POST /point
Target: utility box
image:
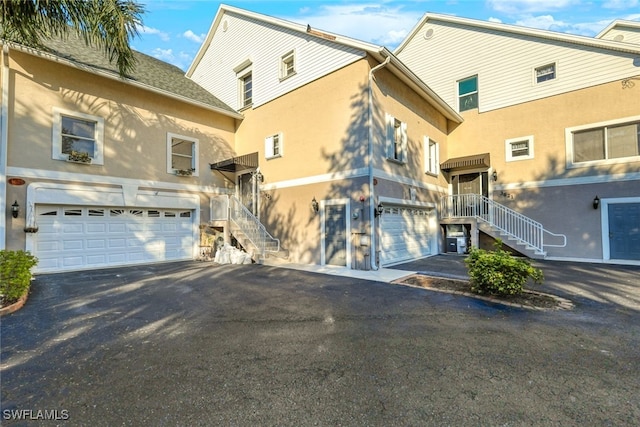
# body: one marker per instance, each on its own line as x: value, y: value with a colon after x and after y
x: 457, y: 238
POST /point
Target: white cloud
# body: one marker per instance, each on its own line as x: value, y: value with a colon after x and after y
x: 543, y: 22
x: 378, y: 23
x: 621, y: 4
x: 154, y: 32
x: 529, y: 6
x: 495, y: 20
x: 190, y: 35
x: 163, y: 54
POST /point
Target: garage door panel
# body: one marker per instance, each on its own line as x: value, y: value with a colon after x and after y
x: 95, y: 236
x: 405, y: 234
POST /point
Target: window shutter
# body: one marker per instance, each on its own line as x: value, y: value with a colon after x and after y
x: 389, y: 138
x: 403, y: 128
x: 268, y: 147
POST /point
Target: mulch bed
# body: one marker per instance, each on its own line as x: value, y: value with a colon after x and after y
x: 527, y: 299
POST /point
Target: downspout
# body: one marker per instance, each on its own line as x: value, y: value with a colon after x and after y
x: 372, y: 199
x: 4, y: 139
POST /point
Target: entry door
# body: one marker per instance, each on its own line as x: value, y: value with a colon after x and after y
x: 471, y: 183
x: 335, y: 240
x: 246, y: 192
x: 624, y: 231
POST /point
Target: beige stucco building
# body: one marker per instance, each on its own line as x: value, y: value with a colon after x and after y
x: 309, y: 147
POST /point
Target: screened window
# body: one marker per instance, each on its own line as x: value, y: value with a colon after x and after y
x: 468, y: 93
x: 519, y: 148
x: 182, y: 155
x: 77, y: 135
x: 546, y: 72
x: 287, y: 65
x: 610, y: 142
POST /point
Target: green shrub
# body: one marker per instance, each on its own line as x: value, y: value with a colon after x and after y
x: 15, y: 274
x: 498, y: 272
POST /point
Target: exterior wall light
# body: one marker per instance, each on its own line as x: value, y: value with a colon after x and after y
x: 379, y: 210
x: 494, y: 175
x: 15, y: 209
x: 596, y: 202
x: 315, y: 205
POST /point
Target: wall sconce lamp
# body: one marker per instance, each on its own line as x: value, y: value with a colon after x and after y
x: 378, y: 210
x: 596, y: 202
x: 315, y: 205
x: 15, y: 209
x: 494, y: 175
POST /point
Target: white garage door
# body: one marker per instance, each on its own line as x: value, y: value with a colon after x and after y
x: 74, y: 238
x: 405, y: 234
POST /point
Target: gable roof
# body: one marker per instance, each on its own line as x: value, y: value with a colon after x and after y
x: 518, y: 30
x: 618, y: 23
x: 379, y: 53
x: 150, y: 73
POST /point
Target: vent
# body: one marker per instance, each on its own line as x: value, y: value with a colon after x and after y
x: 428, y: 35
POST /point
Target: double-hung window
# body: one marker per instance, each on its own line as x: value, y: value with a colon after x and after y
x: 182, y: 155
x: 77, y: 135
x: 244, y: 74
x: 431, y: 156
x: 468, y: 93
x: 396, y: 140
x: 610, y: 142
x: 519, y: 148
x: 273, y: 146
x: 287, y: 65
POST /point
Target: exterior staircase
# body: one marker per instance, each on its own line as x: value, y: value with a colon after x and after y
x: 247, y: 229
x: 515, y: 230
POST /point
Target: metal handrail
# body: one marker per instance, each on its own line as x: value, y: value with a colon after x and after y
x: 504, y: 219
x: 251, y: 227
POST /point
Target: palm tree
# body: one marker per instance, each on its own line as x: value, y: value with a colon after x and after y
x: 106, y: 24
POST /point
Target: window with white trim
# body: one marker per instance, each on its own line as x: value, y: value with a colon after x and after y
x: 245, y: 83
x: 468, y: 93
x: 545, y: 73
x: 273, y: 147
x: 182, y: 155
x: 396, y: 141
x: 287, y: 65
x: 77, y: 135
x: 607, y: 142
x: 519, y: 148
x: 431, y: 156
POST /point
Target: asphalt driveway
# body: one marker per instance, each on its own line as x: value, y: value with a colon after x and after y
x: 199, y: 344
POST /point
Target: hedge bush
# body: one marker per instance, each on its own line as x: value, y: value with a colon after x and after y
x: 15, y: 274
x: 498, y: 272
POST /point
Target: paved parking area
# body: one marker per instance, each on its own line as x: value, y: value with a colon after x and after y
x: 199, y: 344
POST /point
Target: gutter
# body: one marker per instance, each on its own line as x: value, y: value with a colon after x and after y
x: 372, y: 200
x: 4, y: 143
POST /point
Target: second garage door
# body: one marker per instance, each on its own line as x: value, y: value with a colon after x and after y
x: 78, y: 237
x: 405, y: 234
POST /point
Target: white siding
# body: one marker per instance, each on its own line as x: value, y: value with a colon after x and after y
x: 264, y: 44
x: 505, y: 64
x: 623, y: 34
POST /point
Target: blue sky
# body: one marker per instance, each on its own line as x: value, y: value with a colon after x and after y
x: 174, y: 29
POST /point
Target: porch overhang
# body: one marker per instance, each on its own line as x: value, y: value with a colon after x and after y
x: 467, y: 162
x: 237, y: 164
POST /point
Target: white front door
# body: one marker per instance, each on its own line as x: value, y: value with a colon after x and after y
x: 81, y: 237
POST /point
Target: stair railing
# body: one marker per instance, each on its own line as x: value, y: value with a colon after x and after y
x: 251, y: 227
x: 500, y: 217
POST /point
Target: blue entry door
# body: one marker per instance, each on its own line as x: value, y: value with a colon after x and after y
x: 624, y: 231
